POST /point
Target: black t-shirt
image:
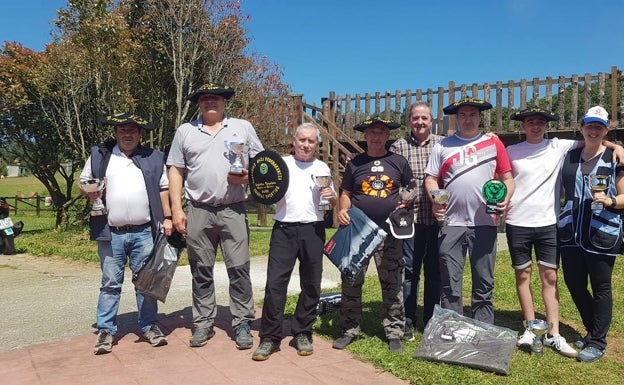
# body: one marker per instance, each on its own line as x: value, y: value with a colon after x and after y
x: 374, y: 183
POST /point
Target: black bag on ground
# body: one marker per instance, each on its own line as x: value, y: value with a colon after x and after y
x: 154, y: 276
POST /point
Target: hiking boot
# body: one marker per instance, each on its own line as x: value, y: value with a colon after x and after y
x: 264, y: 351
x: 155, y: 337
x: 560, y: 344
x: 304, y: 345
x: 343, y: 341
x: 104, y: 343
x: 590, y: 354
x: 408, y: 333
x: 201, y: 337
x: 526, y: 340
x: 243, y: 337
x: 395, y: 345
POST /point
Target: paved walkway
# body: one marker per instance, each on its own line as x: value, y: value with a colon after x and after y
x: 46, y: 335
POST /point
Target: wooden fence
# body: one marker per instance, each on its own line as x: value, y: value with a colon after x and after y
x: 33, y: 205
x: 554, y: 93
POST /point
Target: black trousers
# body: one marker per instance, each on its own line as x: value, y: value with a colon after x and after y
x: 291, y: 242
x: 595, y: 307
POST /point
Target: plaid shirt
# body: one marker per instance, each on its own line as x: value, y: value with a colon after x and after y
x: 418, y: 156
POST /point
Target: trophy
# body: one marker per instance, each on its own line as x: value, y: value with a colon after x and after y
x: 408, y: 193
x: 323, y: 181
x: 441, y: 197
x: 92, y: 186
x: 494, y: 191
x: 598, y: 183
x: 238, y: 148
x: 539, y: 328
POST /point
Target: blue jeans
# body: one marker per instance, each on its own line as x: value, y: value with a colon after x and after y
x: 133, y: 246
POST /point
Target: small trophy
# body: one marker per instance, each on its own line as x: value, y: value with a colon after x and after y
x: 598, y: 183
x: 92, y: 186
x: 494, y: 192
x: 323, y: 181
x: 441, y: 197
x: 539, y: 328
x: 408, y: 193
x: 238, y: 148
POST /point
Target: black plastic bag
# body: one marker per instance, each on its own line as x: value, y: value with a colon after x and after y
x: 351, y: 246
x: 154, y: 276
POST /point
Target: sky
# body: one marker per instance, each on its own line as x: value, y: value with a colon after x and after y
x: 359, y: 46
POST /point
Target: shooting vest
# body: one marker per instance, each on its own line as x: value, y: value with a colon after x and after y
x: 151, y: 163
x: 595, y: 231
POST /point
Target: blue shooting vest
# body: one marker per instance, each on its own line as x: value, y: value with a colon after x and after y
x: 595, y: 231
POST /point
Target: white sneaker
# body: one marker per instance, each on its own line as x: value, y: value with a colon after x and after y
x: 559, y: 343
x: 527, y: 339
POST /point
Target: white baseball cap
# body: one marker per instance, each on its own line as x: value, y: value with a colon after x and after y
x: 597, y: 114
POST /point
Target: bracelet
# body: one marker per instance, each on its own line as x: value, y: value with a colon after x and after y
x: 613, y: 202
x: 168, y: 217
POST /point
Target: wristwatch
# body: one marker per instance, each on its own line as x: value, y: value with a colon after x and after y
x: 613, y: 202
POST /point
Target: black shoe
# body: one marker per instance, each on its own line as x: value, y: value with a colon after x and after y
x: 395, y: 345
x: 343, y: 341
x: 303, y: 345
x: 264, y: 351
x: 243, y: 337
x: 155, y: 337
x: 104, y: 343
x: 201, y: 337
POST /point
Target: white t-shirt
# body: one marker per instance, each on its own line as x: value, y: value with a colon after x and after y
x: 300, y: 203
x: 536, y: 171
x: 126, y: 194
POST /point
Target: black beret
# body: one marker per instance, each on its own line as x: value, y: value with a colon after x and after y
x: 372, y: 121
x: 126, y: 118
x: 225, y: 92
x: 480, y: 104
x: 533, y: 111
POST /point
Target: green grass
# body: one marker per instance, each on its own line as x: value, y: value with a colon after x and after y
x: 550, y: 368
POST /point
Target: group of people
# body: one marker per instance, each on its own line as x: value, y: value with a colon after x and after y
x: 144, y: 194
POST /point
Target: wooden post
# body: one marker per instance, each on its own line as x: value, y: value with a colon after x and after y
x: 614, y: 105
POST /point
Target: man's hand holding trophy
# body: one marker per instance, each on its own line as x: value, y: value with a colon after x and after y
x: 323, y: 182
x: 93, y: 189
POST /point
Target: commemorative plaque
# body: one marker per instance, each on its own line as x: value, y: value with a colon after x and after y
x: 268, y: 177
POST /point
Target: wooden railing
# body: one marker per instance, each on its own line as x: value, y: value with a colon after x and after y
x: 568, y: 96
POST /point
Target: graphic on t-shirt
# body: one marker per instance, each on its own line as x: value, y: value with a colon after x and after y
x: 378, y: 186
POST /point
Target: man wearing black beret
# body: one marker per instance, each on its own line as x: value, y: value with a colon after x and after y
x: 462, y: 164
x: 136, y: 202
x: 210, y: 156
x: 371, y: 183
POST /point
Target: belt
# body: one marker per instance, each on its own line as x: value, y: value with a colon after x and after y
x: 130, y: 227
x: 213, y: 206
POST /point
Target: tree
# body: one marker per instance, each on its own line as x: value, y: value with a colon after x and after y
x: 140, y: 56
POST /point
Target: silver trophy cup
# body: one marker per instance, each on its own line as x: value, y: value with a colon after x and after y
x: 441, y: 197
x: 323, y: 181
x: 92, y: 186
x: 238, y: 149
x: 598, y: 183
x: 539, y: 328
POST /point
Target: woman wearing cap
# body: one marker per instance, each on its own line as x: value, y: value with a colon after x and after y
x: 590, y: 230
